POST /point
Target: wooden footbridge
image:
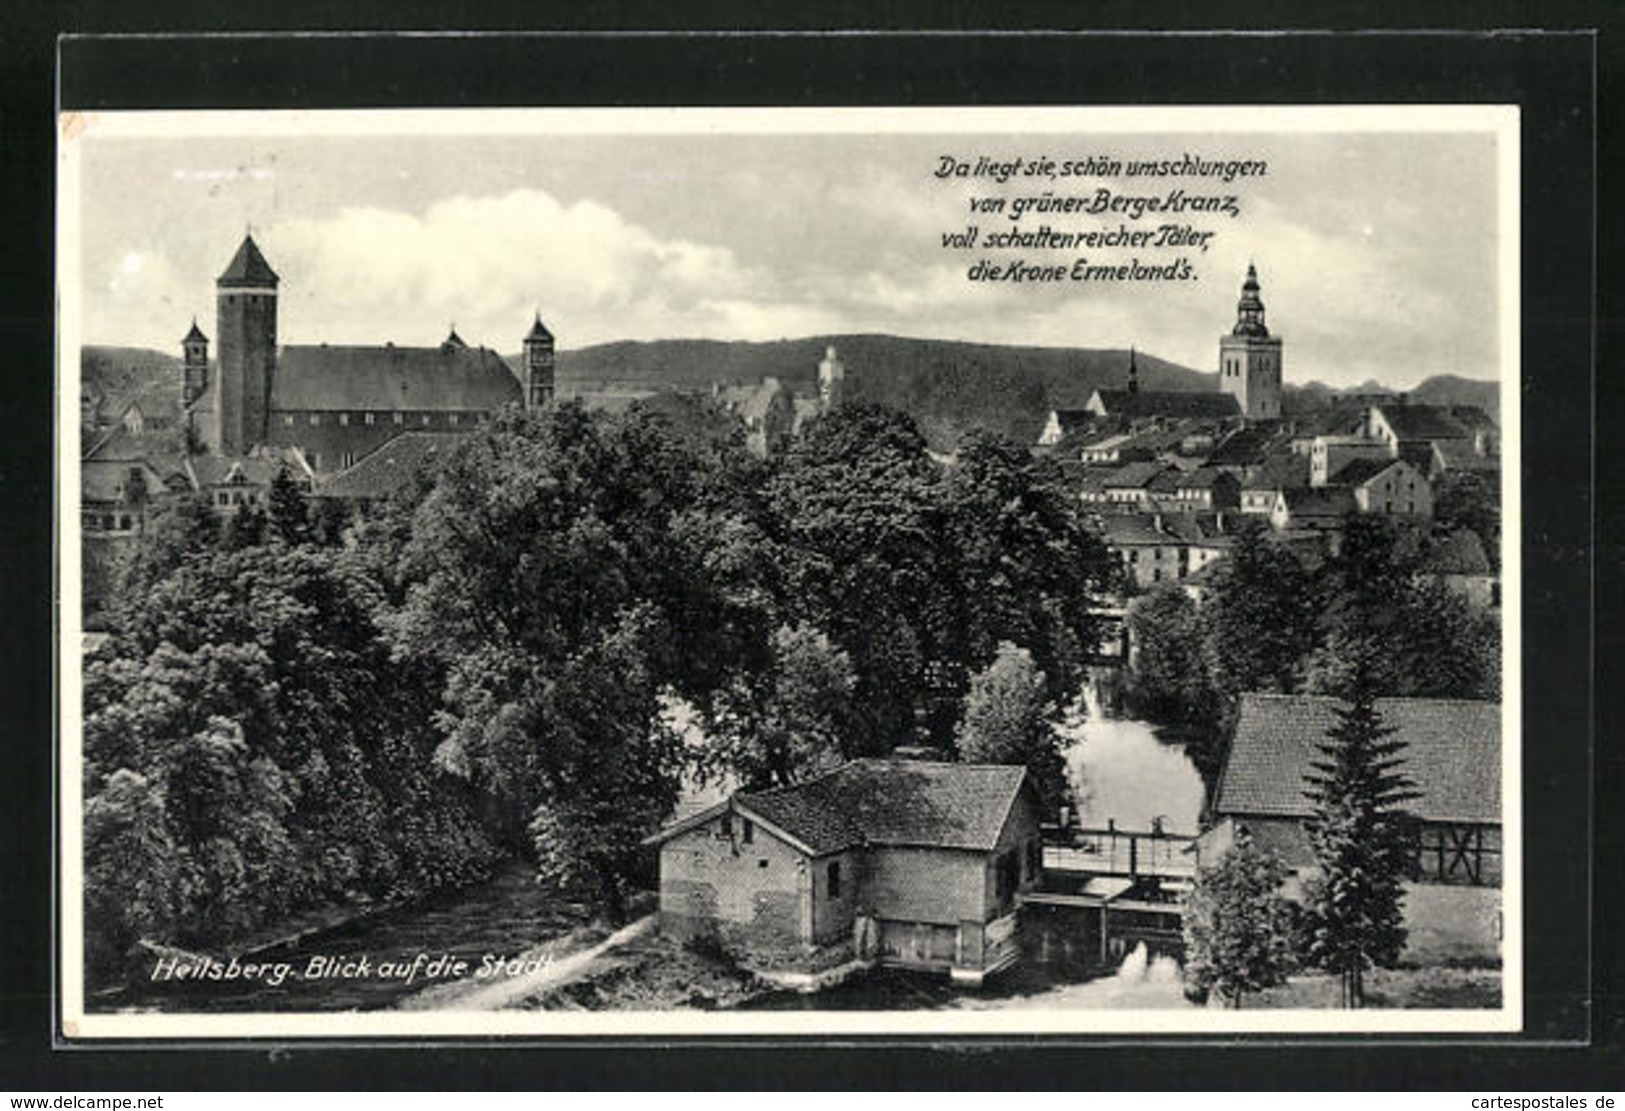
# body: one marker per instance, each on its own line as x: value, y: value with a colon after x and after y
x: 1121, y: 886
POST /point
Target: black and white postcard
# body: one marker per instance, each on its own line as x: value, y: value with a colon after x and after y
x: 817, y: 571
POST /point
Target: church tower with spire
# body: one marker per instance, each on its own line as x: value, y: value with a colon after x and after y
x: 195, y: 361
x: 1250, y: 358
x: 245, y: 303
x: 537, y: 367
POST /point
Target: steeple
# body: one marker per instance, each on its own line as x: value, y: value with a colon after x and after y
x: 194, y: 364
x: 248, y: 269
x: 536, y: 370
x: 453, y: 341
x: 1250, y: 358
x: 1133, y: 373
x: 1250, y: 308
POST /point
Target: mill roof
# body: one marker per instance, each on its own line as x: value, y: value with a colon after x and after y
x: 1452, y: 754
x: 324, y: 377
x: 885, y: 802
x: 247, y: 269
x: 1168, y: 403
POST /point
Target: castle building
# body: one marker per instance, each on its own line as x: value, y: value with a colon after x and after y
x: 336, y: 403
x: 1250, y: 358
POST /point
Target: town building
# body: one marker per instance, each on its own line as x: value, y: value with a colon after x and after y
x: 1452, y: 756
x: 1250, y: 358
x: 905, y: 863
x: 335, y: 403
x: 1392, y: 487
x: 1457, y: 561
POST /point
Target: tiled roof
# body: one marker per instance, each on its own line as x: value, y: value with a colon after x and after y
x: 212, y: 470
x: 248, y: 268
x: 1458, y: 455
x: 1424, y: 422
x: 1319, y: 501
x: 1202, y: 478
x: 1357, y: 472
x: 1169, y: 403
x: 391, y: 467
x: 1452, y: 755
x: 894, y: 802
x: 1279, y: 472
x: 1133, y: 476
x: 391, y: 378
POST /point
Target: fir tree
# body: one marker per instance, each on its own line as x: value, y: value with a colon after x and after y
x: 1357, y: 830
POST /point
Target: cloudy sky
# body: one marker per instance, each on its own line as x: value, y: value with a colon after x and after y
x: 1377, y: 251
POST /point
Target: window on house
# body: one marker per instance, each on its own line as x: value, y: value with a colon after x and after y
x: 369, y: 418
x: 344, y: 418
x: 399, y: 417
x: 315, y: 418
x: 835, y: 879
x: 452, y: 419
x: 748, y: 834
x: 288, y: 420
x: 425, y: 418
x: 728, y: 825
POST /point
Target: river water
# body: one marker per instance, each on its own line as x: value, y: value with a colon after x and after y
x: 1124, y: 773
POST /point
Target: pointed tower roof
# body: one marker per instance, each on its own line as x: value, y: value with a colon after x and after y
x: 538, y: 330
x: 1133, y: 373
x: 453, y: 340
x: 248, y: 269
x: 195, y: 334
x: 1250, y: 308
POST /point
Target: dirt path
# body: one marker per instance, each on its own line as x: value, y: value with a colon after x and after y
x: 504, y: 991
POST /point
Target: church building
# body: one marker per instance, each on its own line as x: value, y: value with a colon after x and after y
x: 1250, y: 358
x: 335, y: 403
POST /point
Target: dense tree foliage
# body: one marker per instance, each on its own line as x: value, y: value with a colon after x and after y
x: 1276, y: 623
x: 1238, y: 927
x: 1008, y: 720
x: 318, y: 703
x: 251, y: 749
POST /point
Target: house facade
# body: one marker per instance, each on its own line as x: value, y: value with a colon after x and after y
x: 1452, y: 755
x: 903, y: 863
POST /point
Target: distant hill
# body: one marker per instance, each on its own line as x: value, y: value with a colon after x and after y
x: 126, y: 370
x: 947, y: 386
x: 1450, y: 389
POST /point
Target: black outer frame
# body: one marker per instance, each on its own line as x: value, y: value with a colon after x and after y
x: 1551, y: 77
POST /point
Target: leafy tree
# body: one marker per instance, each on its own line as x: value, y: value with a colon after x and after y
x: 1357, y: 829
x: 1169, y: 678
x: 1028, y: 567
x: 1463, y: 499
x: 283, y: 758
x: 1260, y: 621
x: 287, y: 513
x: 130, y: 871
x: 780, y: 726
x: 547, y: 577
x: 1008, y: 720
x: 1238, y: 927
x: 856, y: 510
